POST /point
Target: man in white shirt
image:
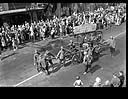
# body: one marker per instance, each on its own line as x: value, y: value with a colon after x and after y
x: 60, y: 55
x: 78, y: 82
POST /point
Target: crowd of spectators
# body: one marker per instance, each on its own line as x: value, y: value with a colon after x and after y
x: 12, y: 36
x: 118, y: 80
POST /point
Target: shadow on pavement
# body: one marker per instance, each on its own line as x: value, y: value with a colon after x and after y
x: 98, y: 56
x: 58, y: 67
x: 68, y: 64
x: 116, y: 52
x: 20, y: 47
x: 94, y: 68
x: 8, y: 55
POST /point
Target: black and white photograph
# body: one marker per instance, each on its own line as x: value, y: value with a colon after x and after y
x: 63, y: 44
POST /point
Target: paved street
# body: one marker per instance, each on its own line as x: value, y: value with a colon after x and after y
x: 18, y: 67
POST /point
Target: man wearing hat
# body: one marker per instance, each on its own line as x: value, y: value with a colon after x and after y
x: 60, y: 55
x: 36, y: 59
x: 48, y: 60
x: 87, y: 57
x: 112, y: 45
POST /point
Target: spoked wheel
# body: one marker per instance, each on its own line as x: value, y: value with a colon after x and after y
x: 38, y: 69
x: 75, y: 59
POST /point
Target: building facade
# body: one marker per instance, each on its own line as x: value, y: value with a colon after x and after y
x: 17, y: 13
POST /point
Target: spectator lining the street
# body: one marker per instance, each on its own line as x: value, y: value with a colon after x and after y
x: 97, y: 82
x: 115, y: 82
x: 78, y: 82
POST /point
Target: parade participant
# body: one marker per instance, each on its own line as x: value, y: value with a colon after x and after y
x: 45, y: 63
x: 48, y: 60
x: 37, y: 60
x: 78, y: 82
x: 112, y: 44
x: 86, y: 57
x: 41, y: 62
x: 97, y: 82
x: 36, y: 56
x: 60, y: 55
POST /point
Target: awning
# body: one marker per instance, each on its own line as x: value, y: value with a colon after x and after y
x: 16, y: 11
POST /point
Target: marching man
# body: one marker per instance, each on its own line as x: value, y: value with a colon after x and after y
x: 87, y: 57
x: 36, y: 59
x: 112, y: 43
x: 48, y: 61
x: 60, y: 55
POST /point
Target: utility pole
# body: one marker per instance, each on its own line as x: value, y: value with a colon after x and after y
x: 58, y: 11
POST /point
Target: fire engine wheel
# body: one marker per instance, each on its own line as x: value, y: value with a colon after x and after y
x: 75, y: 59
x: 38, y: 69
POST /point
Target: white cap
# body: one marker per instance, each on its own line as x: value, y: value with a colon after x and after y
x: 111, y: 36
x: 106, y: 82
x: 61, y: 47
x: 98, y: 79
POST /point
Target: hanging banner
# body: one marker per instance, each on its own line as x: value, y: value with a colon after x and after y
x: 84, y: 28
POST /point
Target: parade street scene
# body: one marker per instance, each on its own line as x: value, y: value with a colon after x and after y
x: 63, y: 44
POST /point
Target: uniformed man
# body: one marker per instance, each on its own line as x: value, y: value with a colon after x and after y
x: 78, y: 82
x: 37, y: 60
x: 87, y: 57
x: 36, y: 54
x: 47, y: 58
x: 60, y: 55
x: 112, y: 44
